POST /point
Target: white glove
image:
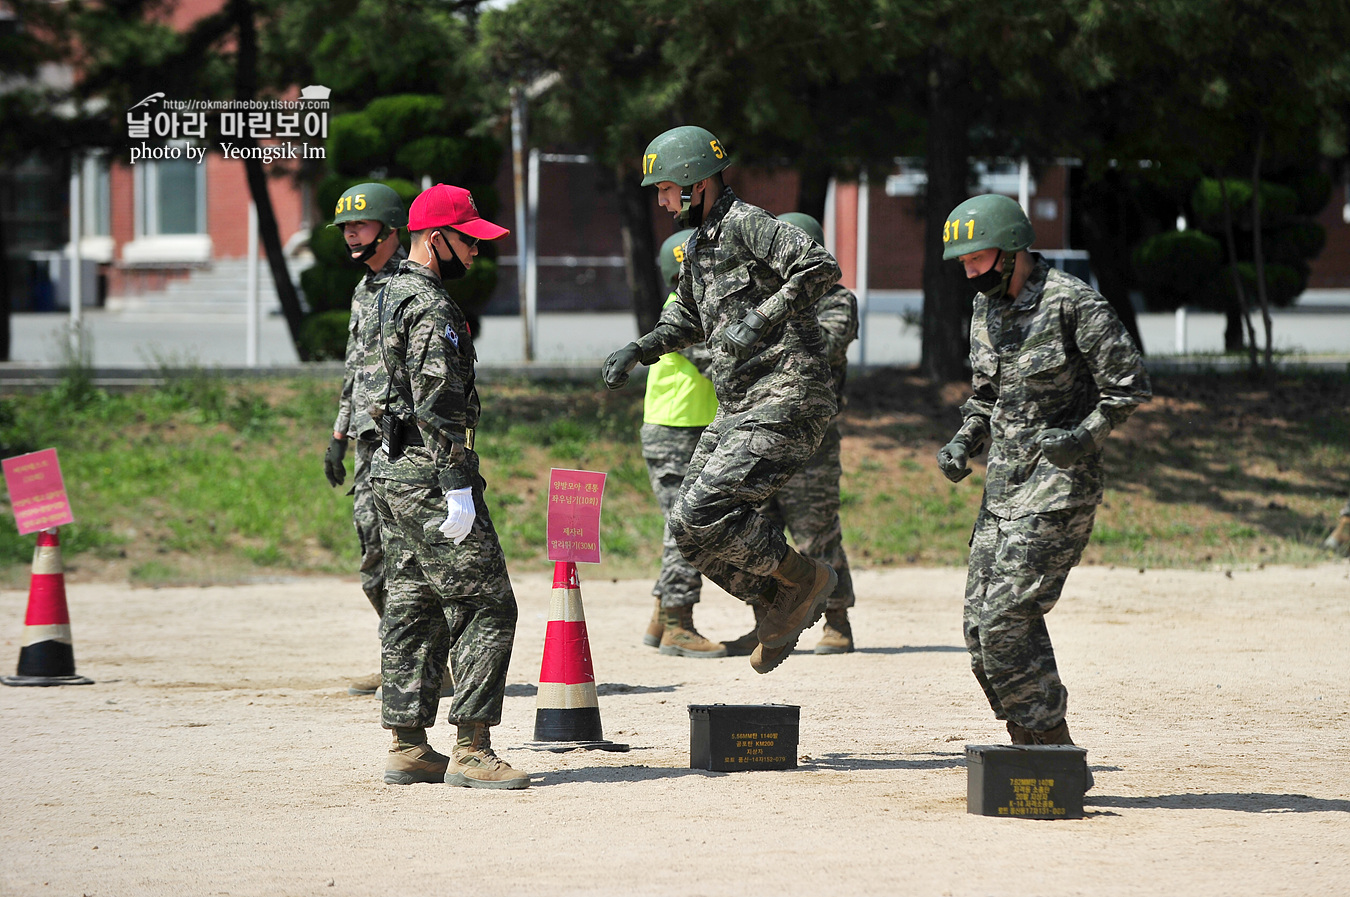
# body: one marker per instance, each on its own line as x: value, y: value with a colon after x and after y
x: 459, y: 514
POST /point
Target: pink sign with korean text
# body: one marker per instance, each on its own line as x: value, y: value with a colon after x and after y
x: 37, y: 492
x: 574, y: 515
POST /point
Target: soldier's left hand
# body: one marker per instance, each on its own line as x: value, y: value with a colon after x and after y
x: 1063, y: 448
x: 618, y: 364
x: 953, y: 460
x: 332, y: 462
x: 742, y: 336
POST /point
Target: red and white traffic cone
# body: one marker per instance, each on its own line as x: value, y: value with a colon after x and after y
x: 567, y: 708
x: 47, y: 656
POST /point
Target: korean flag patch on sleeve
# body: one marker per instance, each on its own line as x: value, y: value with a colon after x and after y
x: 451, y: 335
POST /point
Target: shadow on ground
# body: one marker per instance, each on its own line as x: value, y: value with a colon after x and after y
x: 914, y: 649
x: 529, y: 690
x: 842, y: 762
x: 609, y: 774
x: 1244, y: 803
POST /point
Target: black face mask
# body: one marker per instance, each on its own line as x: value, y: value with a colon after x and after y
x: 452, y: 268
x: 358, y: 255
x: 993, y: 283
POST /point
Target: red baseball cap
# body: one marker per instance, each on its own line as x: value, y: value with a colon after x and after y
x: 447, y: 206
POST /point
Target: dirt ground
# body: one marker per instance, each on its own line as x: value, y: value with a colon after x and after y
x: 219, y: 753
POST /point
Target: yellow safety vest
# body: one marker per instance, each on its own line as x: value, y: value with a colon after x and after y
x: 677, y: 394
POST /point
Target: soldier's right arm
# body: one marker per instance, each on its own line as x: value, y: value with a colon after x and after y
x: 977, y: 411
x: 439, y: 384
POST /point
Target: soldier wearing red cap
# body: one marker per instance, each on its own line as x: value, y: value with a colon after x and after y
x: 448, y: 592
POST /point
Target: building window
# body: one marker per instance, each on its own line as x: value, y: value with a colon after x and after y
x: 170, y: 211
x: 96, y: 211
x: 171, y: 198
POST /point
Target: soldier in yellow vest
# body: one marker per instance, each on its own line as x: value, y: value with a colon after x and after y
x: 680, y: 402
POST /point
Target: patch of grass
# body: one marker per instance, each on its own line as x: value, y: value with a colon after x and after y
x: 155, y: 573
x: 207, y: 479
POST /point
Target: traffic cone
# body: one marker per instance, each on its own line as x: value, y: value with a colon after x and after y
x: 567, y: 708
x: 48, y: 655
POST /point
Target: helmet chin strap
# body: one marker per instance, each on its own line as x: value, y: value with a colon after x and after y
x: 361, y: 254
x: 688, y: 215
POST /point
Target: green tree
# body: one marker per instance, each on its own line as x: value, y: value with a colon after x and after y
x: 398, y: 124
x: 126, y: 50
x: 1159, y: 98
x: 37, y: 116
x: 260, y: 48
x: 1149, y: 96
x: 611, y: 86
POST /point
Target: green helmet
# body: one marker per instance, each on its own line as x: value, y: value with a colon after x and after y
x: 806, y: 223
x: 370, y: 202
x: 672, y: 254
x: 684, y: 156
x: 991, y: 221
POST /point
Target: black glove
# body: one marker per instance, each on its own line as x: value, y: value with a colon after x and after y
x: 332, y: 462
x: 953, y: 461
x: 1063, y: 448
x: 617, y: 365
x: 741, y: 337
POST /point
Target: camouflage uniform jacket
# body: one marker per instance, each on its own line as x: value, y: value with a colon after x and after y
x: 837, y: 312
x: 430, y: 356
x: 353, y: 410
x: 1056, y: 356
x: 742, y: 259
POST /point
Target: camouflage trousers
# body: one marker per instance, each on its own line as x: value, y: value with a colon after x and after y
x: 809, y: 507
x: 367, y: 522
x: 742, y: 459
x: 1017, y: 570
x: 442, y: 600
x: 667, y: 451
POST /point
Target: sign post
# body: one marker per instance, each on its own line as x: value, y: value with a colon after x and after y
x: 574, y: 498
x: 37, y: 491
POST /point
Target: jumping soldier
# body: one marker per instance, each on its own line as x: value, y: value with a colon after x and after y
x: 809, y: 504
x: 679, y: 403
x: 748, y: 286
x: 1054, y: 372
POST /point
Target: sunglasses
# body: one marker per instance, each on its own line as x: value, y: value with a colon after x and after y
x: 467, y: 240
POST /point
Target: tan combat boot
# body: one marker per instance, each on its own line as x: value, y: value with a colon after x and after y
x: 803, y: 585
x: 838, y: 635
x: 366, y: 685
x: 1019, y: 735
x: 746, y: 644
x: 681, y: 639
x: 473, y: 763
x: 1059, y: 735
x: 411, y: 759
x: 765, y: 660
x: 656, y: 628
